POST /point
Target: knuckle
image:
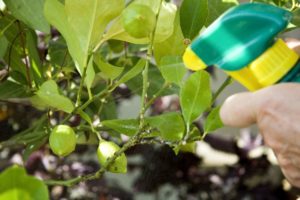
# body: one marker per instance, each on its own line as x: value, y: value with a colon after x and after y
x: 268, y: 108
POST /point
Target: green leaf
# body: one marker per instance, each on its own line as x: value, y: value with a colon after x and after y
x: 82, y: 32
x: 34, y: 59
x: 172, y: 46
x: 172, y: 69
x: 49, y: 95
x: 90, y: 73
x: 109, y: 71
x: 124, y: 126
x: 109, y: 110
x: 165, y: 21
x: 116, y: 46
x: 134, y: 71
x: 56, y: 15
x: 156, y: 82
x: 88, y: 28
x: 267, y: 1
x: 9, y: 89
x: 217, y: 8
x: 193, y: 15
x: 15, y: 55
x: 3, y: 47
x: 30, y: 12
x: 170, y: 126
x: 296, y: 17
x: 33, y: 146
x: 9, y: 28
x: 15, y: 184
x: 195, y: 96
x: 59, y: 55
x: 213, y: 121
x: 85, y: 116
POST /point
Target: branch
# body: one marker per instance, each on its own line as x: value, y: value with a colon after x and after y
x: 78, y: 101
x: 157, y: 94
x: 145, y: 73
x: 68, y: 183
x: 227, y: 82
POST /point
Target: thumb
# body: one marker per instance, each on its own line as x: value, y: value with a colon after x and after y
x: 239, y: 110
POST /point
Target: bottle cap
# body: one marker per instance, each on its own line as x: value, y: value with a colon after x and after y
x: 274, y: 63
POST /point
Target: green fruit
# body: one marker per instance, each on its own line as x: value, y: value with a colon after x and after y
x: 62, y: 140
x: 138, y: 20
x: 107, y: 149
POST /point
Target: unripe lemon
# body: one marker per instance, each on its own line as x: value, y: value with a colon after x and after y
x: 62, y: 140
x: 138, y: 20
x: 106, y: 150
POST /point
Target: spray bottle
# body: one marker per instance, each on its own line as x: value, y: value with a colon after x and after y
x: 243, y: 43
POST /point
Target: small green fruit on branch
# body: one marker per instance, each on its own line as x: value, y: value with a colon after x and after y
x: 107, y: 149
x: 138, y: 20
x: 62, y: 140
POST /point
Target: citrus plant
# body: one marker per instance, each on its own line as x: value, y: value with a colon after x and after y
x: 68, y: 58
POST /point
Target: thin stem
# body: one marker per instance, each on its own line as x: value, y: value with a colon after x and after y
x: 22, y: 39
x: 106, y: 38
x: 157, y: 94
x: 88, y: 102
x: 145, y: 73
x: 221, y: 88
x: 144, y: 93
x: 7, y: 27
x: 78, y: 101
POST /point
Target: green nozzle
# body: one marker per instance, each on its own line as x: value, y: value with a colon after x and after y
x: 240, y: 35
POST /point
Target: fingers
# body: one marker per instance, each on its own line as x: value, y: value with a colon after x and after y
x: 239, y: 110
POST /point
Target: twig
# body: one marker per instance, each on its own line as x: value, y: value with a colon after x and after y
x: 145, y: 73
x: 78, y: 101
x: 7, y: 27
x: 88, y: 102
x: 157, y: 94
x: 221, y: 88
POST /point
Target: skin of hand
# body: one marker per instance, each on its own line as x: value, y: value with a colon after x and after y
x: 276, y: 111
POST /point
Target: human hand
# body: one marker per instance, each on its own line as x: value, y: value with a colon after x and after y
x: 276, y: 111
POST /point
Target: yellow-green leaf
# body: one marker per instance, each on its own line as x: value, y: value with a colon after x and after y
x: 195, y: 96
x: 15, y: 184
x: 49, y: 95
